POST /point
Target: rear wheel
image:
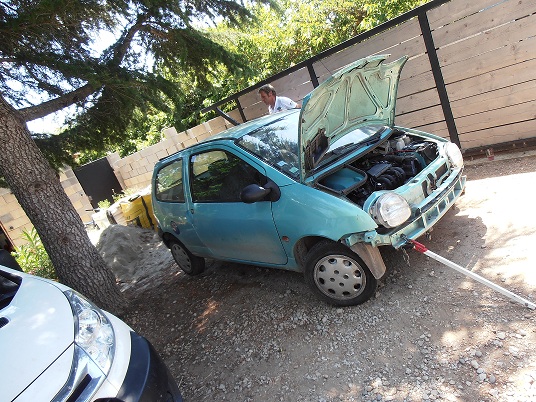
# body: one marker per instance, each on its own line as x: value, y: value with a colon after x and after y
x: 189, y: 263
x: 338, y: 275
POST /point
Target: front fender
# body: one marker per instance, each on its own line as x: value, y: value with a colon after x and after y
x: 304, y: 211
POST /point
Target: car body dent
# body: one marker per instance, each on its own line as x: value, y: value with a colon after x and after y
x: 433, y: 208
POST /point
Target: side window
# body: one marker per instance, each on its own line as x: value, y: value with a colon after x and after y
x: 168, y: 183
x: 219, y: 176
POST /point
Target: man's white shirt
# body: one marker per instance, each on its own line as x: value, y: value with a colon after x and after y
x: 282, y: 103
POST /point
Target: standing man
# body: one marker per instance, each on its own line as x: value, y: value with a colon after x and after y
x: 275, y: 103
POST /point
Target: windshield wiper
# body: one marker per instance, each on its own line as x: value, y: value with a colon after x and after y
x: 373, y: 139
x: 345, y: 148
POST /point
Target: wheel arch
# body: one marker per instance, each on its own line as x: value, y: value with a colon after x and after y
x: 302, y: 247
x: 370, y: 255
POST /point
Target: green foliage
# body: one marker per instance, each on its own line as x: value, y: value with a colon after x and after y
x: 167, y: 61
x: 33, y: 258
x: 104, y: 204
x: 275, y: 41
x: 380, y: 11
x: 52, y: 58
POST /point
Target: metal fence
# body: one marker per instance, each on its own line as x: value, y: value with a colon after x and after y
x: 470, y: 77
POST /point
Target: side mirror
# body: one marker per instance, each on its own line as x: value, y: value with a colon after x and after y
x: 254, y: 192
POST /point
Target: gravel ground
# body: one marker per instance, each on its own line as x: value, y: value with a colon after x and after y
x: 242, y: 333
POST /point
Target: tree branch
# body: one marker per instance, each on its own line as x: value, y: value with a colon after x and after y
x: 56, y: 104
x: 120, y: 49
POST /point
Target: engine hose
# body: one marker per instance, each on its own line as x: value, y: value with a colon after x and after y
x: 386, y: 181
x: 400, y: 173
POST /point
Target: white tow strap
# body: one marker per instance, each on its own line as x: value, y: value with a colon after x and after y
x: 422, y: 249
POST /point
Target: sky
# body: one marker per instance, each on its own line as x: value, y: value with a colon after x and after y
x: 53, y: 123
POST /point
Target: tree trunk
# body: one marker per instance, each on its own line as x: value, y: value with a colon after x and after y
x: 38, y: 189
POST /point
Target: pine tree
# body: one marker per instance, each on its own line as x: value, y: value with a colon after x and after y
x: 48, y: 51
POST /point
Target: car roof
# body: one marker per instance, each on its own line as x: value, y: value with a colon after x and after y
x: 236, y: 132
x: 244, y: 128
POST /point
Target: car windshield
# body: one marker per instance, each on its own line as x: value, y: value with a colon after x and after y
x: 276, y: 144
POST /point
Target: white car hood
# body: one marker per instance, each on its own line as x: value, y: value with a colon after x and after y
x: 40, y: 328
x: 362, y: 93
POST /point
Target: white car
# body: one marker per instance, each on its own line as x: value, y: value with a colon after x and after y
x: 55, y: 345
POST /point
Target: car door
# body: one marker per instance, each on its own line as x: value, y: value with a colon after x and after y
x: 171, y: 207
x: 230, y: 228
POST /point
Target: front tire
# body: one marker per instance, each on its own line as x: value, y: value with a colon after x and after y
x: 338, y: 275
x: 189, y: 263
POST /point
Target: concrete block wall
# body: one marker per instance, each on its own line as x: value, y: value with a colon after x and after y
x: 14, y: 220
x: 12, y: 217
x: 76, y: 194
x: 135, y: 171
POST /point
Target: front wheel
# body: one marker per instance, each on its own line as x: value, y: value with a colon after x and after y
x: 189, y: 263
x: 338, y: 275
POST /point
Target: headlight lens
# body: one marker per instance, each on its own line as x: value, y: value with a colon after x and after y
x: 93, y: 331
x: 455, y: 155
x: 390, y: 210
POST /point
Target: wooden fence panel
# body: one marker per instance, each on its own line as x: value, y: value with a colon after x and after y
x: 383, y: 43
x: 487, y: 41
x: 439, y: 128
x: 456, y: 10
x: 493, y: 80
x: 491, y: 62
x: 419, y: 83
x: 488, y: 62
x: 417, y: 101
x: 493, y: 118
x: 498, y: 135
x: 496, y: 100
x: 484, y: 20
x: 420, y: 118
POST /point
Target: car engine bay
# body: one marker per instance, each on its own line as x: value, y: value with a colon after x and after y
x: 388, y: 166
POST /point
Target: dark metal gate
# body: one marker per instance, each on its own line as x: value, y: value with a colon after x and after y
x: 98, y: 180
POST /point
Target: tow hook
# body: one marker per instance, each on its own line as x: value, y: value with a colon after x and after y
x: 421, y: 248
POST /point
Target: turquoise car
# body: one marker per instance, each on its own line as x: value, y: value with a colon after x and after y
x: 316, y: 190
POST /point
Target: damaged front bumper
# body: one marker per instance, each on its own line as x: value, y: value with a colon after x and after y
x: 425, y: 216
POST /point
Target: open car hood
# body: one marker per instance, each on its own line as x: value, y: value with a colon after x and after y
x: 362, y: 93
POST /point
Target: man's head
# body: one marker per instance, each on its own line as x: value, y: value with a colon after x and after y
x: 267, y: 93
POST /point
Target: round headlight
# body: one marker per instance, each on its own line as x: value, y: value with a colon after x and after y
x: 455, y: 155
x: 390, y: 210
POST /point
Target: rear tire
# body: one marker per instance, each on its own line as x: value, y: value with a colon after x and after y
x: 338, y: 275
x: 189, y: 263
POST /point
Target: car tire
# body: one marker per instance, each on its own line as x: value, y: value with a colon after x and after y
x: 189, y: 263
x: 338, y: 275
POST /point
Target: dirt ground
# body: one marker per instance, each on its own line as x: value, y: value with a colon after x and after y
x: 242, y: 333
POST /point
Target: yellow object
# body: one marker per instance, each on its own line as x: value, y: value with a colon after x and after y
x: 138, y: 211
